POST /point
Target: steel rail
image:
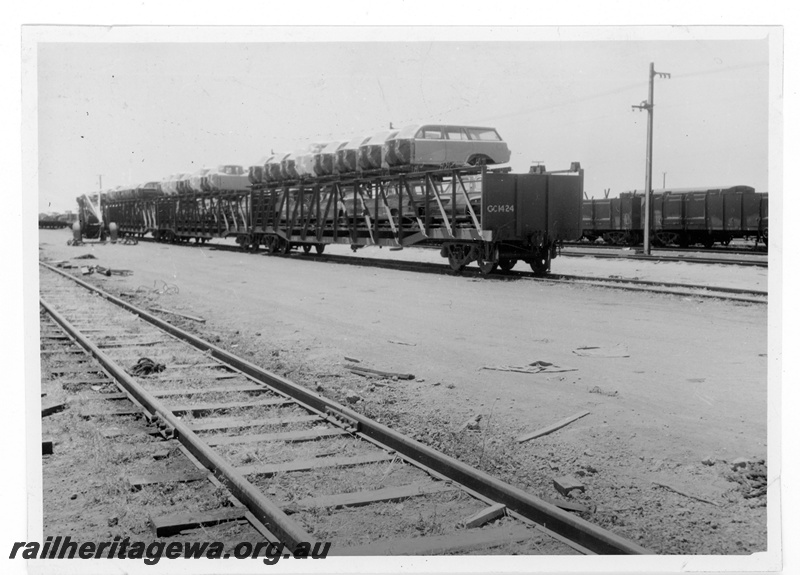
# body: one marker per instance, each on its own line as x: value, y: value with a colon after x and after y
x: 584, y: 533
x: 660, y: 258
x: 614, y: 283
x: 288, y: 530
x: 734, y: 250
x: 656, y: 283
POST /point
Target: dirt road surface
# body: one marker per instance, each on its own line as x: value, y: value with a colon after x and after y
x: 671, y: 381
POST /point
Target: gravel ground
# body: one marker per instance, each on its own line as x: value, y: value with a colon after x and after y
x: 676, y: 387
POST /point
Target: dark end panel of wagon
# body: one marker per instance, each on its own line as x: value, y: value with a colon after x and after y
x: 518, y: 206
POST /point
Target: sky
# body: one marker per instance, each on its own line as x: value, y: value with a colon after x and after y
x: 124, y: 111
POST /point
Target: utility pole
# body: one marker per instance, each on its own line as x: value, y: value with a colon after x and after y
x: 664, y: 181
x: 648, y: 180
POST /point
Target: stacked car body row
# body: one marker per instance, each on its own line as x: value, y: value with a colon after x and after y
x: 415, y: 146
x: 680, y: 217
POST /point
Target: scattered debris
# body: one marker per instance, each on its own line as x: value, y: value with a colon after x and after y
x: 485, y: 515
x: 402, y: 343
x: 679, y: 492
x: 191, y: 317
x: 111, y: 432
x: 618, y: 350
x: 161, y: 454
x: 113, y: 521
x: 361, y: 370
x: 352, y: 359
x: 551, y: 428
x: 165, y: 289
x: 597, y: 389
x: 85, y: 257
x: 739, y: 462
x: 535, y: 367
x: 146, y: 366
x: 708, y: 461
x: 472, y: 423
x: 567, y: 484
x: 351, y: 396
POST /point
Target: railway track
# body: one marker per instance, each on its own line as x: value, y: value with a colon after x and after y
x: 298, y: 466
x: 667, y: 288
x: 660, y: 287
x: 751, y: 258
x: 733, y: 248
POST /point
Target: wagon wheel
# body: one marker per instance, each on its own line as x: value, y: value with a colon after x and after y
x: 666, y: 238
x: 285, y: 247
x: 765, y: 236
x: 320, y: 248
x: 458, y: 256
x: 726, y: 241
x: 507, y: 264
x: 306, y: 248
x: 270, y: 242
x: 708, y: 242
x: 486, y: 266
x: 540, y: 263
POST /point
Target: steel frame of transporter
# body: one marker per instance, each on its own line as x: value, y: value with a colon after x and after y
x: 473, y: 214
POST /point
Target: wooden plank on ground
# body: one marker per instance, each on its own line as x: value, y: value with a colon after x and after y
x: 238, y: 422
x: 161, y: 377
x: 132, y: 343
x: 358, y: 368
x: 485, y: 515
x: 96, y: 413
x: 374, y: 496
x: 178, y: 392
x: 61, y: 350
x: 310, y: 464
x: 288, y: 436
x: 551, y: 428
x: 205, y: 407
x: 139, y: 481
x: 166, y: 525
x: 72, y: 371
x: 227, y: 389
x: 457, y: 542
x: 51, y: 407
x: 68, y: 383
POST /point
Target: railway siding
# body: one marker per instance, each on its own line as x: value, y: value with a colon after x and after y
x: 264, y: 455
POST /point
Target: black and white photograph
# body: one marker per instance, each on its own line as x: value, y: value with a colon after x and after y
x: 377, y: 298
